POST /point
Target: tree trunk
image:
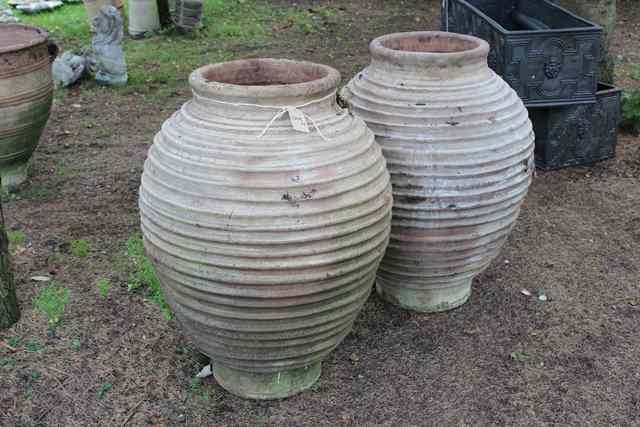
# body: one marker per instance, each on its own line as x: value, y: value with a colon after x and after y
x: 603, y: 13
x: 9, y: 312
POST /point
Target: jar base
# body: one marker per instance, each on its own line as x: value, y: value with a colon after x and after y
x: 427, y: 300
x: 266, y: 386
x: 13, y: 175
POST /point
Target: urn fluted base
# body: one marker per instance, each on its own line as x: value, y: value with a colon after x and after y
x: 428, y: 299
x: 266, y: 386
x: 14, y: 174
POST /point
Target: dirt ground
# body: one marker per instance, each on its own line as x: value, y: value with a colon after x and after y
x: 501, y: 359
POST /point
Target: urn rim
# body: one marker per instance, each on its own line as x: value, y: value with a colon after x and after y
x: 14, y: 37
x: 430, y: 48
x: 263, y: 78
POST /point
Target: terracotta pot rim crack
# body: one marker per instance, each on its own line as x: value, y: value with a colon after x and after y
x: 472, y: 49
x: 7, y: 45
x: 264, y: 78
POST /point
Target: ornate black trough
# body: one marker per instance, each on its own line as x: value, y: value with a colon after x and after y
x: 547, y: 54
x: 577, y: 134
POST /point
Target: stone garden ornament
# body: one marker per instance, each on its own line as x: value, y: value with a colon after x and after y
x: 107, y: 58
x: 68, y: 68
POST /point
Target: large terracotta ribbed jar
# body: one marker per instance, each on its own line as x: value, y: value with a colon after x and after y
x: 266, y: 246
x: 26, y: 94
x: 459, y: 147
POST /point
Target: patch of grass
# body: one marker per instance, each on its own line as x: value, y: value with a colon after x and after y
x: 634, y: 72
x: 104, y: 388
x: 80, y: 248
x: 74, y: 344
x: 199, y: 390
x: 16, y: 238
x: 143, y: 274
x: 68, y: 25
x: 103, y: 132
x: 35, y: 375
x: 7, y: 361
x: 301, y: 21
x: 103, y: 287
x: 65, y: 171
x: 32, y: 346
x: 14, y: 342
x: 631, y: 110
x: 52, y: 301
x: 167, y: 57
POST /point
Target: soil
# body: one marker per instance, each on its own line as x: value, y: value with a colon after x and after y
x: 501, y: 359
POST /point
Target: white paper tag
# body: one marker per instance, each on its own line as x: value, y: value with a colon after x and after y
x: 298, y: 120
x: 205, y: 372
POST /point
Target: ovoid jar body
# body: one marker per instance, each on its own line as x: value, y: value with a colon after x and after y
x: 459, y: 147
x: 266, y: 239
x: 26, y: 94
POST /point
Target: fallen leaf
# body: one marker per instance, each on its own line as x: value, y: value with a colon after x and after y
x: 520, y: 356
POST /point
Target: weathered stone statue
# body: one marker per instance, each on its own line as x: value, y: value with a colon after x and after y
x: 108, y: 57
x: 67, y: 69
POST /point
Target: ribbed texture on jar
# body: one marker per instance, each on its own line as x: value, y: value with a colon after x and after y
x: 26, y: 92
x: 267, y: 247
x: 460, y: 154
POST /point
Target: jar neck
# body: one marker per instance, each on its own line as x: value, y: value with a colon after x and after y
x: 258, y: 107
x: 430, y: 55
x: 259, y: 89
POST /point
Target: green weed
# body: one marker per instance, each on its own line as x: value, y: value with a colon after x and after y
x: 631, y: 110
x: 16, y: 238
x: 52, y: 301
x: 35, y: 375
x: 199, y: 390
x: 143, y: 274
x: 519, y: 356
x: 74, y: 344
x: 32, y: 346
x: 80, y: 248
x: 103, y: 286
x: 104, y: 388
x: 14, y: 342
x: 103, y: 132
x: 7, y: 361
x: 634, y: 73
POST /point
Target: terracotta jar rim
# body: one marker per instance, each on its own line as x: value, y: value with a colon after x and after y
x: 430, y: 48
x: 264, y: 78
x: 14, y: 37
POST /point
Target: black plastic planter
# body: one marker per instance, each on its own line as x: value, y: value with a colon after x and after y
x: 547, y: 54
x: 579, y: 134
